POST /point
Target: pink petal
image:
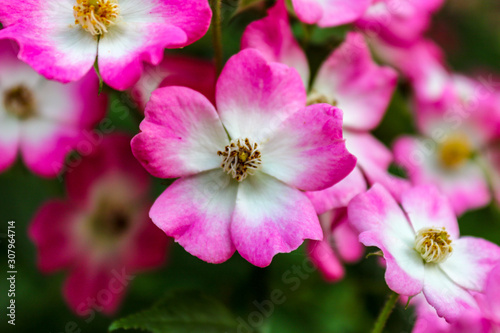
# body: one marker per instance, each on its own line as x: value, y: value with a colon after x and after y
x: 471, y: 262
x: 254, y: 96
x: 110, y: 157
x: 382, y: 223
x: 307, y: 150
x: 9, y: 141
x: 49, y: 41
x: 362, y: 88
x: 45, y: 144
x: 271, y: 218
x: 346, y: 241
x: 340, y: 194
x: 89, y: 287
x: 180, y: 135
x: 329, y: 13
x: 148, y: 248
x: 370, y: 152
x: 196, y: 211
x: 492, y: 295
x: 426, y: 207
x: 273, y: 37
x: 176, y: 70
x: 51, y: 231
x: 165, y: 23
x: 466, y: 188
x: 449, y: 299
x: 326, y: 260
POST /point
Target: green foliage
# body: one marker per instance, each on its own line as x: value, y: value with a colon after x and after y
x: 183, y: 311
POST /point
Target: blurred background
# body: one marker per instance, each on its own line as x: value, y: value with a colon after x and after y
x: 469, y: 33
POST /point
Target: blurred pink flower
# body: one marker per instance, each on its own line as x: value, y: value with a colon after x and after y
x: 422, y: 248
x: 329, y: 13
x: 340, y: 244
x: 398, y: 22
x: 61, y: 39
x: 176, y: 70
x: 101, y: 233
x: 242, y: 167
x: 457, y: 130
x: 41, y: 119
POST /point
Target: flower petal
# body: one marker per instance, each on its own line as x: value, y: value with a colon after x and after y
x: 271, y: 217
x: 382, y: 223
x: 145, y: 29
x: 273, y: 37
x: 307, y: 150
x: 197, y: 212
x: 466, y: 187
x: 329, y: 13
x: 9, y: 141
x: 427, y: 207
x: 181, y: 134
x: 449, y: 299
x: 471, y: 262
x: 254, y: 96
x: 323, y: 257
x: 346, y: 241
x: 340, y: 194
x: 49, y: 40
x: 51, y: 231
x: 362, y: 88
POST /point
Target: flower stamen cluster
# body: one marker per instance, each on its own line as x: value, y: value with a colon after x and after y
x: 241, y: 158
x: 455, y: 151
x: 95, y: 16
x: 315, y: 97
x: 433, y: 244
x: 19, y: 102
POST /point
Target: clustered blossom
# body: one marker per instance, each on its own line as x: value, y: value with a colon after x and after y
x: 264, y: 155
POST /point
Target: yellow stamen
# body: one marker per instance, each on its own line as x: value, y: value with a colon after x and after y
x: 455, y: 151
x: 96, y: 16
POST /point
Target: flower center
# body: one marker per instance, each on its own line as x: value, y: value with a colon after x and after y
x: 20, y: 102
x: 109, y: 221
x: 455, y: 151
x: 240, y: 158
x: 96, y: 16
x: 433, y: 244
x: 315, y: 97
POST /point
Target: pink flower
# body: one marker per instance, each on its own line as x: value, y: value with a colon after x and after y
x: 428, y: 321
x: 398, y: 22
x: 489, y: 302
x: 329, y: 13
x: 175, y: 70
x: 242, y: 167
x: 422, y: 248
x: 101, y: 233
x: 456, y: 132
x: 61, y: 39
x: 350, y: 79
x: 43, y: 120
x: 340, y: 244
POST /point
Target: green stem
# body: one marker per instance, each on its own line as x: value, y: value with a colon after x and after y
x: 385, y: 313
x: 217, y: 34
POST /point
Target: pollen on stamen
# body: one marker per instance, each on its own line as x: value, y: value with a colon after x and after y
x: 433, y: 244
x: 96, y: 16
x: 241, y: 158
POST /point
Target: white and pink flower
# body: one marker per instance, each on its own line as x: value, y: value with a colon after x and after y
x: 398, y: 22
x: 242, y: 166
x: 101, y: 233
x: 329, y: 13
x: 422, y: 248
x: 62, y: 39
x: 42, y: 120
x: 457, y: 132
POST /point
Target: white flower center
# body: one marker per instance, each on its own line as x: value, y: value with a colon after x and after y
x: 95, y: 16
x: 433, y: 244
x: 241, y: 158
x: 19, y: 102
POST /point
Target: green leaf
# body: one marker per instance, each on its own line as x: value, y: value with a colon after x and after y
x: 181, y: 312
